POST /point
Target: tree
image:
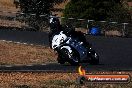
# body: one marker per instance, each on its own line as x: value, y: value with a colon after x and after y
x: 34, y: 9
x: 97, y: 10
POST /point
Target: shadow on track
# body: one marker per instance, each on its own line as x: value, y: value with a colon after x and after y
x: 55, y: 67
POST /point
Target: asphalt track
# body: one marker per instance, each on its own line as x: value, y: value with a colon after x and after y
x: 115, y: 52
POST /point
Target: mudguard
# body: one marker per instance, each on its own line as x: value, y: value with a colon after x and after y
x: 67, y: 47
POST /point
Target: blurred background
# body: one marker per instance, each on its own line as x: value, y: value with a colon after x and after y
x: 100, y: 17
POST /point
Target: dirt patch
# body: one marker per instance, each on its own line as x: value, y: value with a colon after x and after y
x: 83, y: 30
x: 113, y: 33
x: 60, y: 6
x: 7, y: 5
x: 8, y: 9
x: 8, y: 23
x: 17, y: 54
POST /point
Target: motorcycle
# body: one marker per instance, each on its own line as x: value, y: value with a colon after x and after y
x: 71, y: 50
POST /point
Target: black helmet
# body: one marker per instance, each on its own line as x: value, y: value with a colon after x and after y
x: 54, y: 22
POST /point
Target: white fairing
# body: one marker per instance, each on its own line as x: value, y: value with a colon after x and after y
x: 51, y: 19
x: 67, y: 47
x: 58, y: 39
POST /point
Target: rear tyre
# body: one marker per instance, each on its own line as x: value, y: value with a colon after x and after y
x: 94, y: 58
x: 74, y: 60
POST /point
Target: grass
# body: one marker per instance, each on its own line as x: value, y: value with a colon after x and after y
x: 51, y: 80
x: 7, y: 23
x: 7, y: 5
x: 36, y: 80
x: 18, y: 54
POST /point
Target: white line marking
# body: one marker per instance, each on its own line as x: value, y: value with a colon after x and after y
x: 25, y: 43
x: 9, y: 41
x: 43, y: 64
x: 29, y: 65
x: 8, y: 66
x: 31, y: 44
x: 3, y: 40
x: 16, y: 42
x: 21, y: 43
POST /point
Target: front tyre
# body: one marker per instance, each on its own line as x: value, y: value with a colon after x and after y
x: 71, y: 57
x: 60, y: 60
x: 94, y: 58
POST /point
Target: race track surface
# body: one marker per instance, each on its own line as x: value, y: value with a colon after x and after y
x: 115, y: 52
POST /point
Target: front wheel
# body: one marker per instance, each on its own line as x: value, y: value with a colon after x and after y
x: 71, y: 57
x: 60, y: 60
x: 94, y: 58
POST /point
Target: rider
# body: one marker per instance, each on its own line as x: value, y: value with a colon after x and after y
x: 54, y: 24
x: 69, y: 30
x: 56, y: 27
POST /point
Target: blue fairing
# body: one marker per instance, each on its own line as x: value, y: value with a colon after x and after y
x: 79, y: 47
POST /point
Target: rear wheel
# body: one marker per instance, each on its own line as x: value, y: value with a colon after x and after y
x: 94, y: 58
x: 74, y: 60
